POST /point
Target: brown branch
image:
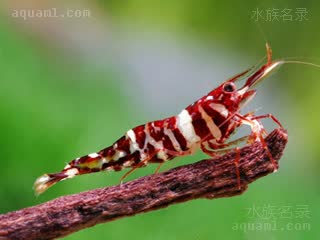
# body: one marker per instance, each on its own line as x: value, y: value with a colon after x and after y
x: 213, y: 178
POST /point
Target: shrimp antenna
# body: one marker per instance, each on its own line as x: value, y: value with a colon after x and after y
x: 283, y: 61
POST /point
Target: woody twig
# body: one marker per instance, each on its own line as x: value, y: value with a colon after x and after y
x: 213, y: 178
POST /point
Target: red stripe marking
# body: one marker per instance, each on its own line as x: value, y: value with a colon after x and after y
x: 159, y: 123
x: 123, y: 145
x: 200, y: 128
x: 217, y: 118
x: 199, y: 124
x: 150, y: 150
x: 118, y: 165
x: 180, y: 138
x: 158, y: 134
x: 107, y: 152
x: 82, y: 160
x: 170, y: 123
x: 167, y: 144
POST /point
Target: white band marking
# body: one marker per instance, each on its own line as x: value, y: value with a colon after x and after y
x: 134, y: 146
x: 172, y: 138
x: 220, y: 108
x: 93, y: 155
x: 184, y: 123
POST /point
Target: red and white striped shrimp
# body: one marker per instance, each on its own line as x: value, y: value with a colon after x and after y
x: 206, y: 124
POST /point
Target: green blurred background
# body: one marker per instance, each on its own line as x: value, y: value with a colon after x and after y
x: 72, y: 85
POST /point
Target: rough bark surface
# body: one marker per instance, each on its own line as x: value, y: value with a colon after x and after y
x: 213, y: 178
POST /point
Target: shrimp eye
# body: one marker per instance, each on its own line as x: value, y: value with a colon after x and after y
x: 229, y: 87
